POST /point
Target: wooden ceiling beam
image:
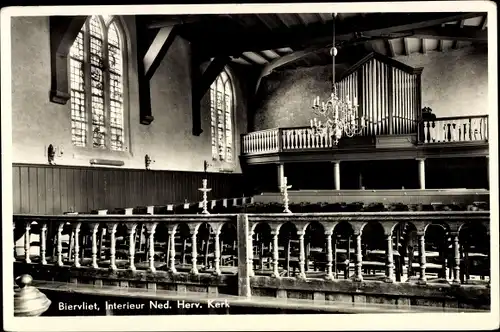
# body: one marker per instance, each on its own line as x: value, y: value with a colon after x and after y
x: 63, y: 32
x: 382, y: 25
x: 452, y: 33
x: 484, y: 21
x: 279, y: 62
x: 390, y: 48
x: 171, y: 20
x: 158, y: 49
x: 210, y: 74
x: 406, y: 47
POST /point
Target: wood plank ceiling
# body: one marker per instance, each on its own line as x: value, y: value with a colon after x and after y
x: 304, y: 39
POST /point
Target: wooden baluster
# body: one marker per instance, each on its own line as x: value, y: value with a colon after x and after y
x: 389, y: 259
x: 194, y: 253
x: 43, y: 243
x: 59, y: 244
x: 76, y: 230
x: 426, y: 133
x: 95, y: 228
x: 150, y: 228
x: 329, y: 256
x: 112, y: 246
x: 456, y: 260
x: 453, y: 129
x: 217, y: 253
x: 358, y: 276
x: 421, y: 253
x: 27, y: 240
x: 131, y: 250
x: 275, y: 273
x: 171, y: 233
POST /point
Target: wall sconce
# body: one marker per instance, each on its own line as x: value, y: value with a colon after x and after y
x: 148, y: 161
x: 51, y: 153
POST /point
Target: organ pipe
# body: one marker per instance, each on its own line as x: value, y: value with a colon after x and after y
x: 389, y: 95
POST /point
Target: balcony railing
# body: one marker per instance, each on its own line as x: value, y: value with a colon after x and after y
x: 324, y: 252
x: 440, y: 130
x: 456, y: 129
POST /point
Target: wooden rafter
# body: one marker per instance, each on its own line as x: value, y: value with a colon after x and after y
x: 484, y: 21
x: 381, y: 25
x: 158, y: 49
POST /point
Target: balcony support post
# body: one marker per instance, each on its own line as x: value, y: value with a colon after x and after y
x: 281, y: 174
x: 421, y: 172
x: 336, y: 174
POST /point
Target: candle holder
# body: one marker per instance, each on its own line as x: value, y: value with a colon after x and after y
x: 284, y: 191
x: 205, y: 190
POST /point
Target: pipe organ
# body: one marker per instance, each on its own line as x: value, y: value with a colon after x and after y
x: 389, y: 94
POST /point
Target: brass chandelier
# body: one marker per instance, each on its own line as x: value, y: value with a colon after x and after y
x: 340, y: 115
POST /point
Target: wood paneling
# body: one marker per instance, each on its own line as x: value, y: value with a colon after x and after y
x: 53, y: 189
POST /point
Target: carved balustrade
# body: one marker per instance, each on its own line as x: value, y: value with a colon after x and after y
x: 456, y: 129
x: 449, y: 247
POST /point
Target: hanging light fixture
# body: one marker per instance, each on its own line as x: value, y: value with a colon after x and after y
x: 340, y: 116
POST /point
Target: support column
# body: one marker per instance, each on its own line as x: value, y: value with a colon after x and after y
x: 217, y: 252
x: 131, y: 250
x: 250, y: 253
x: 390, y: 260
x: 421, y: 172
x: 358, y: 275
x: 95, y: 229
x: 77, y: 245
x: 151, y: 243
x: 275, y: 254
x: 112, y: 246
x: 336, y: 174
x: 281, y: 174
x: 59, y: 244
x: 171, y: 233
x: 329, y: 256
x: 43, y: 244
x: 27, y: 240
x: 302, y: 255
x: 421, y: 254
x: 194, y: 252
x: 456, y: 254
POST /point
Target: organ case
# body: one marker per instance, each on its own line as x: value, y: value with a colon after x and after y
x: 388, y: 92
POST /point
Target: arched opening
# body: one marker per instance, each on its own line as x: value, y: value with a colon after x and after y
x: 228, y: 249
x: 373, y: 248
x: 262, y: 249
x: 288, y: 250
x: 474, y: 254
x: 343, y: 249
x: 316, y: 251
x: 438, y: 248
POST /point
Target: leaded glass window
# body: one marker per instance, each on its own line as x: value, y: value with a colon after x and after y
x: 96, y: 78
x: 221, y: 117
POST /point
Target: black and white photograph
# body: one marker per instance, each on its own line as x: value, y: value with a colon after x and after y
x: 250, y: 166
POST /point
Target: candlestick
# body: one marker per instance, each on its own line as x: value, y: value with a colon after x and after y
x: 204, y: 190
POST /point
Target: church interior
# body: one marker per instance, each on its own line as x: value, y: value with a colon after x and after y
x: 276, y: 157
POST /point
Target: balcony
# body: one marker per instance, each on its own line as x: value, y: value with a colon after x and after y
x: 441, y: 137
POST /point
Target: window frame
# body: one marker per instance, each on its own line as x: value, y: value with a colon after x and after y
x: 124, y: 49
x: 230, y: 82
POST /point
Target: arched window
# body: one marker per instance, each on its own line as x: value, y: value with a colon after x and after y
x: 221, y: 111
x: 96, y: 78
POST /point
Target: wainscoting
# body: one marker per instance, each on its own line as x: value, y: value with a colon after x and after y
x: 53, y: 189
